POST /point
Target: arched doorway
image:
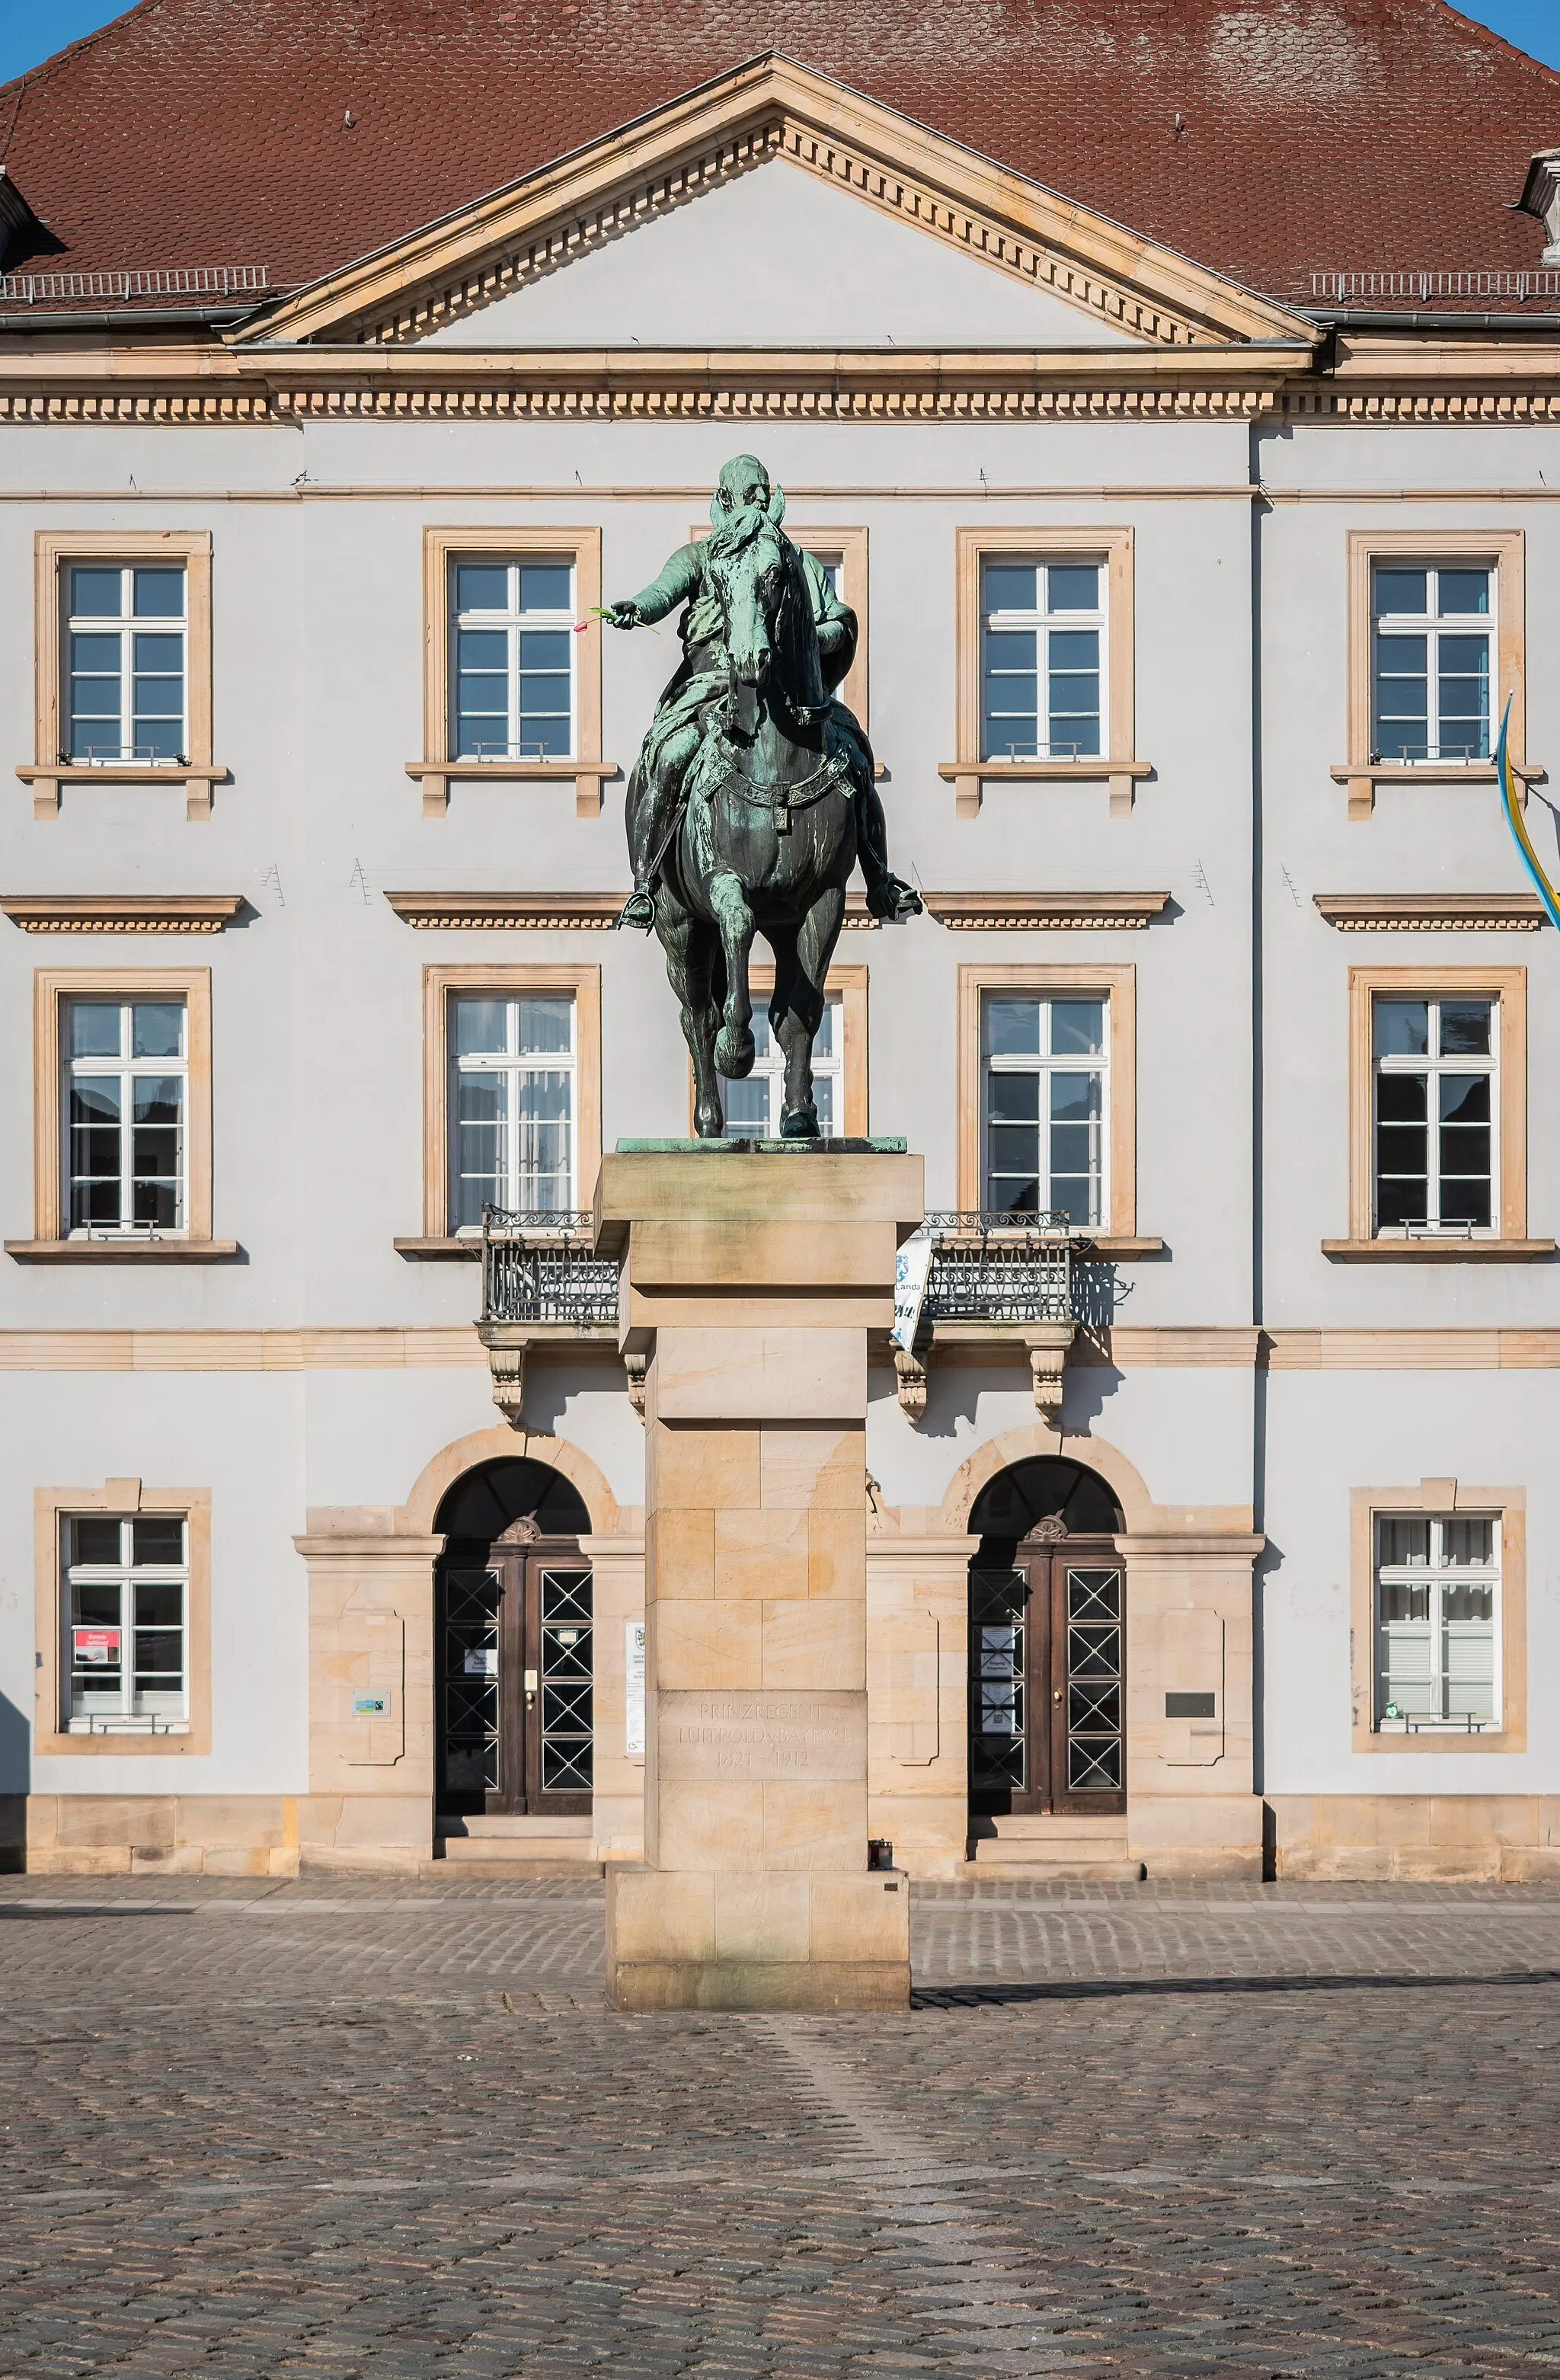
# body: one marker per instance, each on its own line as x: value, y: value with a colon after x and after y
x: 512, y: 1641
x: 1047, y: 1624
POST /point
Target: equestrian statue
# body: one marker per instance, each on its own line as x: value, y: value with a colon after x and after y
x: 754, y: 795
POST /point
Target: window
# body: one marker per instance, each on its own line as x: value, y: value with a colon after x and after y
x: 1431, y: 629
x: 126, y: 1609
x: 1044, y: 661
x: 1044, y: 631
x: 125, y: 1102
x: 1437, y: 1117
x: 1436, y: 642
x: 512, y: 688
x: 753, y: 1107
x: 122, y: 1148
x: 513, y: 657
x: 1437, y: 1620
x: 511, y: 1096
x: 124, y: 664
x: 514, y: 1105
x: 1436, y: 1097
x: 1048, y: 1096
x: 125, y: 696
x: 1045, y: 1103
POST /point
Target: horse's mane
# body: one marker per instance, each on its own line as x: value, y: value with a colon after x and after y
x: 738, y: 529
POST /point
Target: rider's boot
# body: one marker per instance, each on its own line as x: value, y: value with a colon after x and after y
x: 639, y: 910
x: 888, y: 895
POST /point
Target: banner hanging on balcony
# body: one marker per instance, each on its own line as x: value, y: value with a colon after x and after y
x: 912, y: 1269
x: 1511, y: 802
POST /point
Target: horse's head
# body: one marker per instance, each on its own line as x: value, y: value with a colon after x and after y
x: 762, y: 588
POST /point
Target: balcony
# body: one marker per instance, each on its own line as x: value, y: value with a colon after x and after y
x: 543, y: 1284
x: 997, y: 1280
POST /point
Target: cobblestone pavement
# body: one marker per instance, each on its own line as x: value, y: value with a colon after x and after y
x: 347, y: 2127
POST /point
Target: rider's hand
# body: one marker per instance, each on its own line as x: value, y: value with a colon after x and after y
x: 623, y: 615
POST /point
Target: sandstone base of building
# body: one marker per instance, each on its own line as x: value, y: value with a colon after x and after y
x: 1416, y: 1838
x: 754, y: 1942
x: 246, y: 1834
x: 1213, y: 1835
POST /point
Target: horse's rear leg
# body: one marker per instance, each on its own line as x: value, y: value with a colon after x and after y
x: 797, y: 1011
x: 733, y: 1043
x: 690, y: 950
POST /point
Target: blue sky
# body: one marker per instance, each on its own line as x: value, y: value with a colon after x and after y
x: 31, y: 30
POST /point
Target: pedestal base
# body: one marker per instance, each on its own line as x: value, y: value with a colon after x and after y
x: 744, y: 1940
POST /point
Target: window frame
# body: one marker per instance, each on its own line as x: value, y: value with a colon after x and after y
x: 1042, y: 1065
x: 1507, y: 988
x: 1117, y: 763
x: 1503, y: 551
x: 124, y: 627
x: 1435, y: 1579
x: 1432, y: 1500
x: 126, y: 1499
x: 122, y: 1069
x: 441, y: 985
x: 1115, y: 982
x: 441, y: 549
x: 54, y: 987
x: 122, y: 1576
x: 54, y: 553
x: 848, y: 982
x: 514, y: 1065
x: 1042, y: 622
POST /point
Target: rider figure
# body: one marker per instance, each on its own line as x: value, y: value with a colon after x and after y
x: 704, y: 677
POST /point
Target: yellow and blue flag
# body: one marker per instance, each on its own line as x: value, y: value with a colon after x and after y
x: 1511, y: 801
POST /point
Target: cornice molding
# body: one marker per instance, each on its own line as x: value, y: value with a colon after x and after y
x: 121, y: 913
x: 540, y: 913
x: 1006, y: 911
x: 772, y: 107
x: 1430, y: 913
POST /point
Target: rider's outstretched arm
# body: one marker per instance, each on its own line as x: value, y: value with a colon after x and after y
x: 678, y: 579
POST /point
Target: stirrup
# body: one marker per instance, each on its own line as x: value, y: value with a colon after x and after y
x: 639, y: 910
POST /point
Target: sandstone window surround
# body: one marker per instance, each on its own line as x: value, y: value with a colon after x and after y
x: 1117, y: 763
x: 845, y: 989
x: 1115, y: 984
x: 1503, y: 553
x: 54, y: 990
x: 1508, y: 1241
x: 1437, y: 1500
x: 442, y: 986
x: 444, y: 550
x: 52, y: 1507
x: 55, y: 554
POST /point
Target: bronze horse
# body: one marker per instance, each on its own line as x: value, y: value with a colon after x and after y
x: 767, y: 839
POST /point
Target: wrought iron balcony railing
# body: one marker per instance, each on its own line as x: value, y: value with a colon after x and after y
x: 542, y: 1266
x: 1001, y: 1267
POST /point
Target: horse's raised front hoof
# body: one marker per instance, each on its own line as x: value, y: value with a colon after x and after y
x: 733, y: 1052
x: 708, y: 1121
x: 801, y: 1124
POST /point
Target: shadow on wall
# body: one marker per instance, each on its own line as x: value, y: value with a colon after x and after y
x: 14, y: 1740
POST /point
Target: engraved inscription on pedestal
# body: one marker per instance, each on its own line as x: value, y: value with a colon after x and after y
x: 763, y: 1738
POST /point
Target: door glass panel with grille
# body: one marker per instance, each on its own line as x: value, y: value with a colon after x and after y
x: 566, y: 1743
x: 998, y: 1686
x: 1092, y: 1689
x: 473, y: 1607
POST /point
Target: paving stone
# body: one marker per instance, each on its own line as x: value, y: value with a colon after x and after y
x: 352, y: 2131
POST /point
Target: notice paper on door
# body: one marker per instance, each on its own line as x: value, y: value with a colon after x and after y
x: 481, y: 1660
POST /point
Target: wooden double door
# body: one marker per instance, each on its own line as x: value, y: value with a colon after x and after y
x: 1047, y: 1647
x: 515, y: 1681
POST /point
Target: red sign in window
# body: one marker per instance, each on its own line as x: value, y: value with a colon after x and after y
x: 96, y: 1649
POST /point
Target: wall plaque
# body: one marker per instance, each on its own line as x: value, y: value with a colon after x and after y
x: 764, y: 1737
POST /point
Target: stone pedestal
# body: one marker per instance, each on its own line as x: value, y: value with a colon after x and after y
x: 751, y: 1279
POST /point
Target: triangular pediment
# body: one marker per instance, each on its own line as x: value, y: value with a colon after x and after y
x: 1011, y: 262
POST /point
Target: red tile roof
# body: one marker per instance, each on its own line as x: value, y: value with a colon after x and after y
x: 1268, y: 138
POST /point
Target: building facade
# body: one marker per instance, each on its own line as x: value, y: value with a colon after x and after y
x: 1197, y: 555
